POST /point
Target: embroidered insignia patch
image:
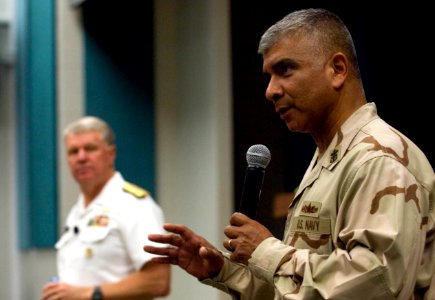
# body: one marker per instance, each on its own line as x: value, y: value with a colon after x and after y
x: 135, y: 190
x: 333, y: 155
x: 311, y: 225
x: 310, y: 208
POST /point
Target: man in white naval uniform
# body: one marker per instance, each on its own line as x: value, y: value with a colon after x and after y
x: 100, y: 253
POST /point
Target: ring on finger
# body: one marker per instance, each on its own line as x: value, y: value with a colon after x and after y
x: 229, y: 244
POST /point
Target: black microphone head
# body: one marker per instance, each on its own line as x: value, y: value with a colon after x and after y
x: 258, y: 156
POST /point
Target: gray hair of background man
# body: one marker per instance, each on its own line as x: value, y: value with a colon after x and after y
x: 321, y: 25
x: 88, y: 124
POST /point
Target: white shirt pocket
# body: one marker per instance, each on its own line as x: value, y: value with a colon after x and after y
x: 94, y: 234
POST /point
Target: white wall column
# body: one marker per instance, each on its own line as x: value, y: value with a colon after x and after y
x: 194, y: 124
x: 9, y: 260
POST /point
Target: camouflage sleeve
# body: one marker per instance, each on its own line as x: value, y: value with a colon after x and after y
x: 240, y: 283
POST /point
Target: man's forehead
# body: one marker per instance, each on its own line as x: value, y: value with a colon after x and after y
x: 294, y: 48
x: 90, y: 136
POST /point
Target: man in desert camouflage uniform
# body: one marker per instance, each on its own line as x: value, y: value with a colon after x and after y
x: 361, y: 224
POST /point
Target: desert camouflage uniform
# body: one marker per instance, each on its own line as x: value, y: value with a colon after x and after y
x: 361, y: 225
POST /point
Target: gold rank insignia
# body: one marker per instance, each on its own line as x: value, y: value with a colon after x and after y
x: 89, y: 253
x: 135, y: 190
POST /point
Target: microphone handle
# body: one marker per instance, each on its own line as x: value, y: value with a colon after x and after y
x: 251, y: 191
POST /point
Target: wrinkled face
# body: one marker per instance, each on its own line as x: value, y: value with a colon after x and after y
x: 90, y: 159
x: 300, y: 84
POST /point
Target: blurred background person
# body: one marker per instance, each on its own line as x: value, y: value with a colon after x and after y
x: 99, y: 255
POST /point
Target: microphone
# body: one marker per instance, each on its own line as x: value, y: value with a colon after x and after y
x: 258, y: 157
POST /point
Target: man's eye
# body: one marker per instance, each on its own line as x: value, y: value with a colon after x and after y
x: 87, y: 149
x: 284, y: 68
x: 73, y: 151
x: 91, y: 148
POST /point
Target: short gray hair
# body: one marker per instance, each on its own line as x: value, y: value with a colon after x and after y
x: 323, y: 26
x: 91, y: 123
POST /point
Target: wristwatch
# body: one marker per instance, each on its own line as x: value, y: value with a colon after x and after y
x: 97, y: 294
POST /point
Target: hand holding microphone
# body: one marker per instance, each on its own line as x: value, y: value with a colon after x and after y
x: 244, y: 233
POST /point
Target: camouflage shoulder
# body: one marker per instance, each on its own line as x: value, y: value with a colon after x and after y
x: 135, y: 190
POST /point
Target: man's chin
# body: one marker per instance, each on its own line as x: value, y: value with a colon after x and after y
x: 83, y: 178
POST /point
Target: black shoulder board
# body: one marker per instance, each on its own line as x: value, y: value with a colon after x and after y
x: 135, y: 190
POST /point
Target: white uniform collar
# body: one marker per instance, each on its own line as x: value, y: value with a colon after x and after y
x: 109, y: 188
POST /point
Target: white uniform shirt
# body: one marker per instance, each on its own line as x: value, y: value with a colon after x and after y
x: 104, y: 241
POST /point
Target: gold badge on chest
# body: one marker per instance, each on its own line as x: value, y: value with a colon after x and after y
x: 89, y: 252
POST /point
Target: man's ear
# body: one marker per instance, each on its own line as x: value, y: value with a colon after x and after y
x: 339, y: 69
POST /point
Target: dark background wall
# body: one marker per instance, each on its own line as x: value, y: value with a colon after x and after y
x: 396, y: 62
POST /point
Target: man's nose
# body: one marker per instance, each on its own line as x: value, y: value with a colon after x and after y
x: 274, y: 91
